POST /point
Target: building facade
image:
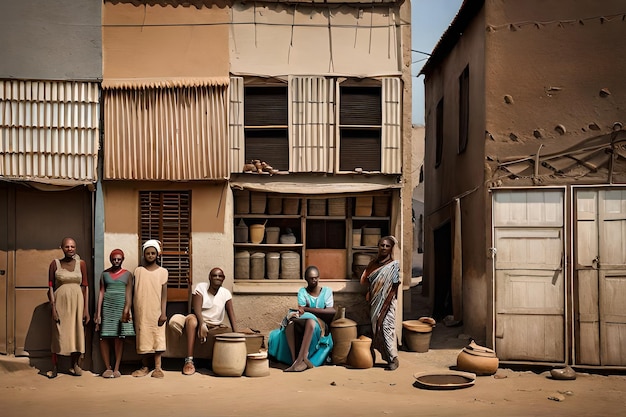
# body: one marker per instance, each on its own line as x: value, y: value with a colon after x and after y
x: 190, y: 92
x: 524, y: 179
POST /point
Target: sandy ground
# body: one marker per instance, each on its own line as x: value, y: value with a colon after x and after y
x: 327, y: 390
x: 324, y: 391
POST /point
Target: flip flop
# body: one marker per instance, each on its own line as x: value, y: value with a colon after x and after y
x: 107, y: 374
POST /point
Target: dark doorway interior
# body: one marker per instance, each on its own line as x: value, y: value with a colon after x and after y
x: 443, y: 272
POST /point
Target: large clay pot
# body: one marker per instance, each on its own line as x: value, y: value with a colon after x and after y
x: 477, y: 359
x: 360, y: 355
x: 229, y: 354
x: 343, y: 331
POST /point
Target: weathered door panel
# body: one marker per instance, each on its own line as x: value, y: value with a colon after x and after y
x: 601, y: 277
x: 529, y: 278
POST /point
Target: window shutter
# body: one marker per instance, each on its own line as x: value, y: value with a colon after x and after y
x: 392, y: 126
x: 166, y: 216
x: 235, y: 124
x: 312, y: 124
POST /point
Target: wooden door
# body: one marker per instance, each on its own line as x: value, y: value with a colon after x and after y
x: 600, y: 277
x: 529, y: 279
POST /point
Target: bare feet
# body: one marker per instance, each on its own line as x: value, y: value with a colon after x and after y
x: 300, y: 365
x: 107, y: 374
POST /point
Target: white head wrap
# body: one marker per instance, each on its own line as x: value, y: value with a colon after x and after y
x: 152, y: 243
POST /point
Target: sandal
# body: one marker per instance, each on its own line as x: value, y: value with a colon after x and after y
x: 76, y: 370
x: 107, y: 374
x: 52, y: 374
x: 143, y: 371
x: 189, y: 368
x: 157, y: 373
x: 116, y: 374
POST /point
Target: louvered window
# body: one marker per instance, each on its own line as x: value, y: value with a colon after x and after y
x: 266, y: 125
x: 166, y: 216
x: 360, y: 124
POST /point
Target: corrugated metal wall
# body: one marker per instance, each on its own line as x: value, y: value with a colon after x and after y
x: 166, y: 133
x: 49, y: 130
x: 392, y: 126
x: 312, y: 124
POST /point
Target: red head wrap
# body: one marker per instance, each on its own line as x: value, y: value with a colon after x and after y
x: 116, y: 252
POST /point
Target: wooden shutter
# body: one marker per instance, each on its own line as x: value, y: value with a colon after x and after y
x: 166, y: 216
x: 392, y: 126
x: 235, y: 124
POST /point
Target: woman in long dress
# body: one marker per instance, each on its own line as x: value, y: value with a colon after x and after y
x: 150, y: 301
x: 303, y: 339
x: 382, y: 276
x: 116, y: 290
x: 68, y: 296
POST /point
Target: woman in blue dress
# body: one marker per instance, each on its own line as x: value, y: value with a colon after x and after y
x: 303, y: 339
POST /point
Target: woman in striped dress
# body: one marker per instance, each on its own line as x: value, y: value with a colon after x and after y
x: 382, y: 275
x: 115, y: 289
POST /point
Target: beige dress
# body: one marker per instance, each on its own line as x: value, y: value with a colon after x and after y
x: 147, y: 309
x: 68, y: 335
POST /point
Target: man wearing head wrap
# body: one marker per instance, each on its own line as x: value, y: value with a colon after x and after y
x: 211, y: 303
x: 150, y: 301
x: 116, y: 290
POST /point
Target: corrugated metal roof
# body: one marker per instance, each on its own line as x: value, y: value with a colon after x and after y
x: 49, y: 130
x: 208, y: 3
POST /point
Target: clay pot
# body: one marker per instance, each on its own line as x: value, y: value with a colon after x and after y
x: 257, y: 365
x: 360, y: 355
x: 229, y: 354
x: 477, y: 359
x: 417, y: 334
x: 343, y: 331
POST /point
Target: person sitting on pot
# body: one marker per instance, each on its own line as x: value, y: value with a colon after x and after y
x: 210, y: 303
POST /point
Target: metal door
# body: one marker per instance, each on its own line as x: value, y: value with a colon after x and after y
x: 529, y: 279
x: 600, y: 277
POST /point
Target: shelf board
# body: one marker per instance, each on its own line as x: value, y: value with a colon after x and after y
x: 326, y: 217
x: 370, y: 218
x: 366, y: 248
x: 267, y: 216
x: 268, y: 245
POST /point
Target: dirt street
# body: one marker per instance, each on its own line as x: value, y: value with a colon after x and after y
x: 323, y: 391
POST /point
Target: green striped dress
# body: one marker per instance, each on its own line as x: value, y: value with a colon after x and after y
x: 113, y: 305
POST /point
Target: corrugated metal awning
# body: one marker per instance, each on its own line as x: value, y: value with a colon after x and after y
x: 145, y: 83
x: 50, y: 131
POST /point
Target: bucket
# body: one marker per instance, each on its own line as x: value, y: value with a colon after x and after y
x: 229, y: 354
x: 242, y: 264
x: 257, y: 265
x: 417, y: 335
x: 290, y: 265
x: 257, y: 231
x: 291, y: 205
x: 257, y: 203
x: 257, y: 365
x: 272, y: 264
x: 241, y: 232
x: 274, y: 205
x: 271, y: 235
x: 371, y: 236
x: 242, y: 201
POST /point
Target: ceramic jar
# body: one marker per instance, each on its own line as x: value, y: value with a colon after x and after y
x: 360, y: 355
x: 477, y: 359
x: 257, y: 365
x: 343, y: 331
x: 229, y: 354
x: 417, y: 334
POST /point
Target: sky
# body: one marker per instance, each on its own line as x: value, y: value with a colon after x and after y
x: 429, y: 20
